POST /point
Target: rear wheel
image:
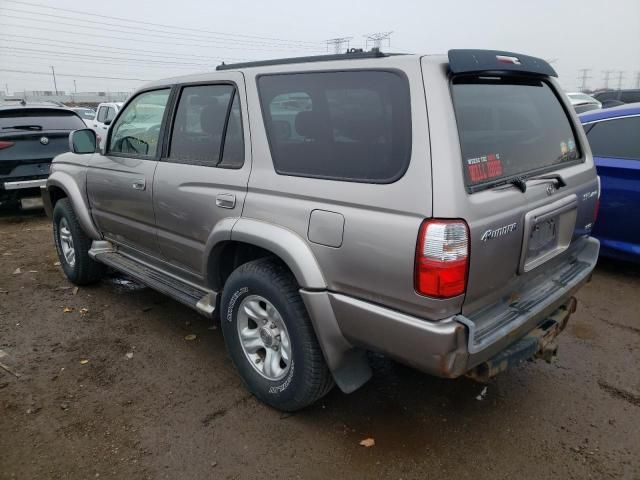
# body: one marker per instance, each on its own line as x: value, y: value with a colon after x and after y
x: 73, y: 245
x: 269, y: 336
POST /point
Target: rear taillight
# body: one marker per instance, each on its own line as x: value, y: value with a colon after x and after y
x: 5, y: 144
x: 442, y: 258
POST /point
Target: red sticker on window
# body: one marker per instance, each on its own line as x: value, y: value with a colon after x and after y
x: 494, y: 165
x: 485, y: 167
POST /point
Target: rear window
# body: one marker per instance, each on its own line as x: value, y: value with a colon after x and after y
x: 20, y: 120
x: 510, y: 128
x: 351, y: 125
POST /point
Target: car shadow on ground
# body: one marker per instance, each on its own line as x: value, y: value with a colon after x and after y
x: 618, y: 267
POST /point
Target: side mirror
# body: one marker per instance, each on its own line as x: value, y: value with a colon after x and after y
x: 108, y: 121
x: 82, y: 141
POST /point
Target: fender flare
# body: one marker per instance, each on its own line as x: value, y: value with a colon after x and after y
x: 78, y: 200
x: 348, y: 364
x: 286, y: 244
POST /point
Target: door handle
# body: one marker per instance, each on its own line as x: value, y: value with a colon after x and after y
x: 139, y: 184
x: 225, y: 200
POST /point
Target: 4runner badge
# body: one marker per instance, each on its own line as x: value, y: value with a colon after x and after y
x: 498, y: 232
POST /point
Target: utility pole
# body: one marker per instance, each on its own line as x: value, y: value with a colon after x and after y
x: 337, y: 44
x: 607, y: 75
x: 620, y: 78
x: 75, y: 87
x: 583, y: 78
x: 55, y: 85
x: 6, y: 88
x: 637, y: 81
x: 377, y: 39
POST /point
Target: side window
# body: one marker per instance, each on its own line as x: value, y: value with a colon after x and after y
x: 631, y: 96
x: 137, y: 130
x: 198, y: 135
x: 102, y: 114
x: 233, y: 150
x: 111, y: 113
x: 351, y: 126
x: 618, y: 138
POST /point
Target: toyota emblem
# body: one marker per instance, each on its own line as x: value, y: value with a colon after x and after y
x: 44, y: 140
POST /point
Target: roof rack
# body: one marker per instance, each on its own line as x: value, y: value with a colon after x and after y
x: 350, y: 54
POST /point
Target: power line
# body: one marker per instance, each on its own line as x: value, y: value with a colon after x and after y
x: 128, y: 64
x: 607, y: 77
x: 101, y: 48
x: 69, y: 75
x: 583, y: 78
x: 377, y: 39
x: 104, y: 57
x: 92, y: 29
x: 620, y: 78
x: 337, y: 44
x: 139, y: 22
x: 137, y: 28
x: 129, y: 39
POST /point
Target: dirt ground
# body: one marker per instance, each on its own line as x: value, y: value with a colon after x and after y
x: 101, y: 383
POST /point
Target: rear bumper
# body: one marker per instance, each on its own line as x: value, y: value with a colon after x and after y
x: 451, y: 347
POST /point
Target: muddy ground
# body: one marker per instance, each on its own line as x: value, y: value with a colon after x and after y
x: 115, y: 391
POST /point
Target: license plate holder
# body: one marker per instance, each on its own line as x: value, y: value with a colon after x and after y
x: 543, y: 237
x: 548, y: 232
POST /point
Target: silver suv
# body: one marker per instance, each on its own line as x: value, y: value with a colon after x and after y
x: 436, y: 209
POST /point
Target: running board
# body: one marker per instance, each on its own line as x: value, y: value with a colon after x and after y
x: 201, y: 300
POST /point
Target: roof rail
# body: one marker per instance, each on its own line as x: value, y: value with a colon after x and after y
x: 350, y: 54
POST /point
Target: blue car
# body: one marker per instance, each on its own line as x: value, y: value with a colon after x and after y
x: 614, y: 136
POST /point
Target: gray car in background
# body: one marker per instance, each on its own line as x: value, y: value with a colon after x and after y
x: 436, y: 209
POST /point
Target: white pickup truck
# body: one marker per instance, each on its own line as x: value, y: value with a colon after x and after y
x: 105, y: 114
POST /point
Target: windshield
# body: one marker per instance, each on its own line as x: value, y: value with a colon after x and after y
x: 508, y: 128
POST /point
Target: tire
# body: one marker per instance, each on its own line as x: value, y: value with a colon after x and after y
x: 301, y: 376
x: 79, y: 268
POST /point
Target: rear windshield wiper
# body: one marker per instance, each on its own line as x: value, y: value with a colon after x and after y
x: 23, y: 127
x: 556, y: 178
x: 521, y: 182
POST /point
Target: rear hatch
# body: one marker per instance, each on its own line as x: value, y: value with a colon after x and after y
x: 31, y: 137
x: 519, y: 172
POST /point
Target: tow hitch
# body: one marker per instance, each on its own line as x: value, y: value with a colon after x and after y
x: 539, y: 343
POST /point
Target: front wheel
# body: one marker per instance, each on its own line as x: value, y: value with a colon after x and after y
x: 270, y: 338
x: 73, y: 245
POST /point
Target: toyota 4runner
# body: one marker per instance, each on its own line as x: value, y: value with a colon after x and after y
x: 436, y: 209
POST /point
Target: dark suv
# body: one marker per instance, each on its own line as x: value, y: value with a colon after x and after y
x: 30, y: 136
x: 613, y: 98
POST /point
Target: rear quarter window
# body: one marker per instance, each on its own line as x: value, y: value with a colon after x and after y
x: 350, y: 125
x: 509, y: 128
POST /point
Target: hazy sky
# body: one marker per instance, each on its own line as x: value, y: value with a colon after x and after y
x: 573, y: 34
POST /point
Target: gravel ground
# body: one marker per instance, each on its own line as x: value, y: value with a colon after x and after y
x: 101, y: 383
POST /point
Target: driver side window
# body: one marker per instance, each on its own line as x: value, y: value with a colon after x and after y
x: 137, y: 130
